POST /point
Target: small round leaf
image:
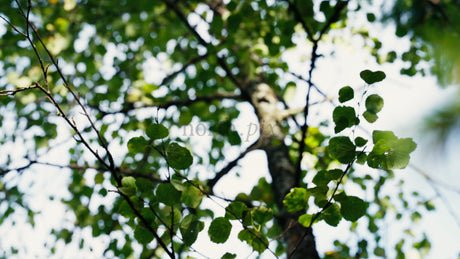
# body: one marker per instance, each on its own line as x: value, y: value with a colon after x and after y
x: 371, y: 77
x: 178, y: 157
x: 157, y: 131
x: 219, y: 230
x: 346, y: 93
x: 374, y: 103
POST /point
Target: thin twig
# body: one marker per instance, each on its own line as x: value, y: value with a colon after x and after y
x: 226, y: 169
x: 147, y: 225
x: 111, y: 165
x: 314, y: 56
x: 17, y: 90
x: 434, y: 184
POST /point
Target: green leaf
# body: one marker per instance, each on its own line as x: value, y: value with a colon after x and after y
x: 128, y: 181
x: 143, y: 235
x: 352, y: 208
x: 255, y: 239
x: 429, y: 205
x: 190, y: 228
x: 128, y: 185
x: 262, y: 215
x: 149, y: 215
x: 99, y: 178
x: 178, y: 157
x: 137, y: 145
x: 157, y: 131
x: 423, y: 244
x: 344, y: 117
x: 289, y: 92
x: 342, y: 149
x: 305, y: 220
x: 370, y: 17
x: 416, y: 216
x: 360, y: 142
x: 296, y: 200
x: 332, y: 215
x: 146, y: 187
x: 219, y: 230
x: 323, y: 177
x: 379, y: 251
x: 346, y: 93
x: 125, y: 210
x: 361, y: 159
x: 235, y: 210
x: 234, y: 138
x: 371, y: 77
x: 370, y: 117
x: 167, y: 194
x: 319, y: 192
x: 192, y: 196
x: 374, y: 103
x: 228, y: 256
x: 326, y: 8
x: 185, y: 117
x: 390, y: 152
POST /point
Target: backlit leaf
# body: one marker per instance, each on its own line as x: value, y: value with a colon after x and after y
x: 390, y: 152
x: 157, y: 131
x: 305, y: 219
x: 371, y: 77
x: 342, y: 149
x: 296, y: 200
x: 190, y: 228
x: 344, y: 117
x: 360, y: 142
x: 374, y: 103
x: 346, y: 93
x: 219, y: 230
x: 257, y: 241
x: 332, y: 215
x: 235, y: 210
x: 143, y: 235
x: 370, y: 117
x: 191, y: 196
x: 178, y: 157
x: 323, y: 177
x: 137, y: 145
x: 167, y: 194
x: 352, y: 208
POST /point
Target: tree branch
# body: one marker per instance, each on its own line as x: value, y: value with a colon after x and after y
x: 147, y: 225
x: 200, y: 39
x: 433, y: 183
x: 182, y: 69
x: 314, y: 56
x: 17, y: 90
x: 298, y: 17
x: 110, y: 165
x: 339, y: 6
x: 226, y: 169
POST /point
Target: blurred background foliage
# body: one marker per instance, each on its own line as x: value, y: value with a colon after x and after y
x: 130, y: 59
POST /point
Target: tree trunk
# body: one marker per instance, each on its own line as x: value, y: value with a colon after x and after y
x: 300, y: 240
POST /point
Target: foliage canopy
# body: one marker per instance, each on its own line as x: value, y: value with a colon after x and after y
x: 140, y: 99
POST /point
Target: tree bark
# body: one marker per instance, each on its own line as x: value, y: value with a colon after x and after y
x: 300, y: 240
